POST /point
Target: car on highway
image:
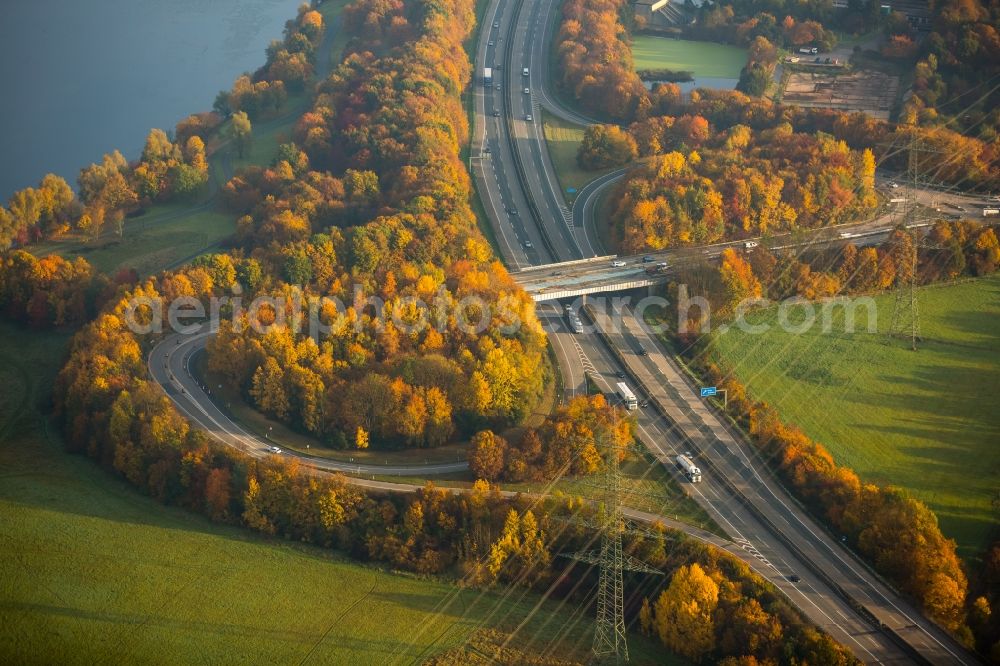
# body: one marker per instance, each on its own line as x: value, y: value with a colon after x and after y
x: 619, y: 374
x: 274, y: 449
x: 498, y: 86
x: 496, y: 113
x: 528, y: 244
x: 642, y: 352
x: 749, y: 245
x: 528, y: 117
x: 496, y: 24
x: 489, y: 43
x: 618, y: 263
x: 648, y: 259
x: 511, y: 211
x: 527, y: 91
x: 644, y: 403
x: 794, y: 578
x: 894, y: 185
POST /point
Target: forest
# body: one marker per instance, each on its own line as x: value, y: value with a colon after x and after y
x: 701, y: 185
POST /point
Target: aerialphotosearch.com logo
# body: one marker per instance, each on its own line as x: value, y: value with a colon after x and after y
x: 322, y: 316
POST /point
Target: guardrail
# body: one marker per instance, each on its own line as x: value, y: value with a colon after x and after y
x: 856, y: 605
x: 571, y: 262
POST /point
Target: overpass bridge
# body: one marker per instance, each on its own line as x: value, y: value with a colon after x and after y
x: 596, y: 275
x: 571, y: 279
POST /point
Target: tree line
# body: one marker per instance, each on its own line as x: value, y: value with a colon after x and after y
x: 289, y: 66
x: 51, y: 291
x: 957, y: 65
x: 570, y: 442
x: 168, y: 168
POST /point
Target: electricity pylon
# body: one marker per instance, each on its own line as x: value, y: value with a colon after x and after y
x: 905, y: 312
x: 609, y: 633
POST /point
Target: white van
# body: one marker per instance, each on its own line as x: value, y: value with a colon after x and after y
x: 749, y: 245
x: 524, y: 72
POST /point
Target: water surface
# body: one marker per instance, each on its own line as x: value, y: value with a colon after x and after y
x: 80, y: 78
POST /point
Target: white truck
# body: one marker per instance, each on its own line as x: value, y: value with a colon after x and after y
x: 627, y: 397
x: 809, y: 51
x: 690, y: 470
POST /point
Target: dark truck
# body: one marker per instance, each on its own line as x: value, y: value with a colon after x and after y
x: 658, y: 268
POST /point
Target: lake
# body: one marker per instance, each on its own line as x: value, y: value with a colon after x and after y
x: 83, y: 78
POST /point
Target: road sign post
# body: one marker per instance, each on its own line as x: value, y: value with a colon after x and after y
x: 709, y: 391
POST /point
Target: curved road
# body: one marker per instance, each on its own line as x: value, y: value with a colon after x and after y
x: 170, y: 366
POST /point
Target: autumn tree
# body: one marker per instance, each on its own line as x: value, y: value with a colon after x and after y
x: 487, y: 455
x: 605, y: 146
x: 241, y: 131
x: 683, y: 613
x: 740, y: 284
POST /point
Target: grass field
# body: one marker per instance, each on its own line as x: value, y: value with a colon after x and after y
x: 563, y: 139
x: 926, y: 420
x: 98, y: 573
x: 163, y: 237
x: 706, y: 59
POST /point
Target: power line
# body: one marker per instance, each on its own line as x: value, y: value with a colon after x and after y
x: 610, y: 644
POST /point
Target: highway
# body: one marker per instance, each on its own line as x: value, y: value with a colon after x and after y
x: 697, y: 428
x: 517, y: 186
x: 836, y: 590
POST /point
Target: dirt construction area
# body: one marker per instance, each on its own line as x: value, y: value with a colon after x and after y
x: 868, y: 91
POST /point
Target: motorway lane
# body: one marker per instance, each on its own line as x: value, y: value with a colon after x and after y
x: 169, y: 365
x: 736, y: 458
x: 585, y: 209
x: 751, y: 540
x: 529, y: 138
x: 494, y: 172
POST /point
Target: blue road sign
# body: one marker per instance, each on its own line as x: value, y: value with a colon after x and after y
x: 708, y: 390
